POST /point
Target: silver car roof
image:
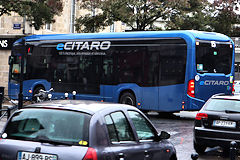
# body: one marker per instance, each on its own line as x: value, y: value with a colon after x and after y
x: 87, y: 106
x: 235, y: 96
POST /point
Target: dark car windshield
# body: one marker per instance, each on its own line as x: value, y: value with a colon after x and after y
x: 213, y: 57
x: 225, y: 105
x: 49, y: 126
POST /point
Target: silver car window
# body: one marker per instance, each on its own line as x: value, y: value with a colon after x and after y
x: 223, y: 105
x: 142, y: 126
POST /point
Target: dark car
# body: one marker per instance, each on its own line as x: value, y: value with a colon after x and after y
x: 218, y: 123
x: 87, y: 130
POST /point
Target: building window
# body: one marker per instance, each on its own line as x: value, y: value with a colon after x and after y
x: 112, y: 28
x: 48, y: 26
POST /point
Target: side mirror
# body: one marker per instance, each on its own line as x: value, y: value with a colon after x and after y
x: 164, y: 135
x: 10, y: 60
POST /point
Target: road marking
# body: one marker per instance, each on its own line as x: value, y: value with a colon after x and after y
x: 182, y: 139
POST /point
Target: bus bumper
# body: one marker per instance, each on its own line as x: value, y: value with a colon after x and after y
x: 194, y: 104
x: 13, y: 90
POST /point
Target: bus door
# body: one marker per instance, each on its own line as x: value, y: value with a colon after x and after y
x: 171, y: 83
x: 171, y: 75
x: 15, y: 73
x: 150, y: 91
x: 65, y: 71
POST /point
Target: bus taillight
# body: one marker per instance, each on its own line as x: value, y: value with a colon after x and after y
x: 191, y: 88
x: 233, y: 88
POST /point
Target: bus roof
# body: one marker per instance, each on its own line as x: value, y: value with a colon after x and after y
x: 185, y: 34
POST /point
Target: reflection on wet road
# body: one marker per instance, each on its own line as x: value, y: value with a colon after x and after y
x: 181, y: 130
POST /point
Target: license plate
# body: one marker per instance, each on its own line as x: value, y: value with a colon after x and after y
x: 35, y: 156
x: 227, y: 124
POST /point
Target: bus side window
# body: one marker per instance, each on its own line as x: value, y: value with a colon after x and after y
x: 151, y: 68
x: 107, y: 71
x: 130, y: 64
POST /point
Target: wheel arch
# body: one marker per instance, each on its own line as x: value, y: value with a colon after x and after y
x: 38, y: 85
x: 126, y: 91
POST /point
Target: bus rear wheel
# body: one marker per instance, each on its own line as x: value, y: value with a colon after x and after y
x: 128, y: 98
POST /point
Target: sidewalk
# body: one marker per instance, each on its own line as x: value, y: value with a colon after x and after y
x: 4, y: 119
x: 2, y: 123
x: 187, y: 114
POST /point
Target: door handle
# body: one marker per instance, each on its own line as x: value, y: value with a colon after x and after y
x: 121, y: 156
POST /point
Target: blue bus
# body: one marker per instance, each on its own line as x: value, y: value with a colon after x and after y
x: 163, y: 71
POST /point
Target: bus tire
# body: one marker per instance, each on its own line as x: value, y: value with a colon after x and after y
x: 36, y: 91
x: 128, y: 98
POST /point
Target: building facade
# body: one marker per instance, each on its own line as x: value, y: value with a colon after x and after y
x: 14, y: 26
x: 64, y: 23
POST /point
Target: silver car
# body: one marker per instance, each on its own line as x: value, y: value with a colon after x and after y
x: 87, y: 130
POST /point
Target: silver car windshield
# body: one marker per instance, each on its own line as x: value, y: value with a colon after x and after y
x: 50, y: 126
x: 223, y: 105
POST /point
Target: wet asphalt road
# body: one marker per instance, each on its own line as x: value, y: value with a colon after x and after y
x: 181, y: 129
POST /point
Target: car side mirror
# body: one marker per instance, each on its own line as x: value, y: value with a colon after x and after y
x: 163, y: 135
x: 10, y: 60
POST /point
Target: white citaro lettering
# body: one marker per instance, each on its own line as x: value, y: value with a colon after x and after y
x: 212, y: 82
x: 95, y: 45
x: 68, y: 46
x: 105, y: 45
x: 78, y: 45
x: 85, y: 46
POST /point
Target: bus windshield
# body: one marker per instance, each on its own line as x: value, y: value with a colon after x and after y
x: 213, y: 57
x: 15, y: 64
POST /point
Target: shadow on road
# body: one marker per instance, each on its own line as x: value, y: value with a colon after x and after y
x: 215, y: 153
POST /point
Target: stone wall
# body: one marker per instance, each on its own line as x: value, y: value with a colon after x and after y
x: 4, y: 69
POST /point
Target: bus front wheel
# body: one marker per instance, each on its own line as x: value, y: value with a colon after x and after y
x: 36, y: 99
x: 128, y: 98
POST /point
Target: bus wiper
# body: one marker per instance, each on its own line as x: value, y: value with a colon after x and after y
x: 45, y: 139
x: 230, y: 111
